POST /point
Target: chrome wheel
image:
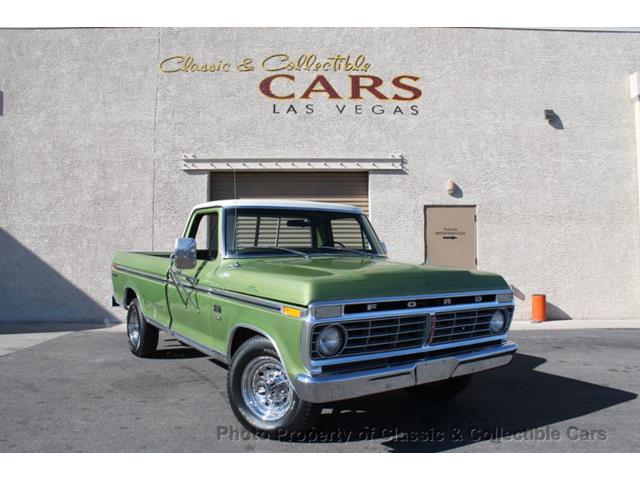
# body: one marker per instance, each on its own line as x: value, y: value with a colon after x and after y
x: 133, y: 328
x: 266, y: 389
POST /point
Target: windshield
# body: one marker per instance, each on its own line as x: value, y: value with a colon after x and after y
x: 297, y: 232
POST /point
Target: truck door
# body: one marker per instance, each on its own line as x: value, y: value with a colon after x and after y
x: 190, y: 305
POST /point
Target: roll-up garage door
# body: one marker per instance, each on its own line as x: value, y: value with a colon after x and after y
x: 351, y: 188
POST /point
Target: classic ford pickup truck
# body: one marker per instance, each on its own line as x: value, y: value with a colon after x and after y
x: 300, y: 301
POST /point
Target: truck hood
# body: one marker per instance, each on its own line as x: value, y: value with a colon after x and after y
x: 301, y: 281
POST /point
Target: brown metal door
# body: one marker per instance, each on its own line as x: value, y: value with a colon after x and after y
x: 351, y: 188
x: 451, y: 236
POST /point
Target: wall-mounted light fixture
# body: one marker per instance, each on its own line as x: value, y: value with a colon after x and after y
x: 451, y: 187
x: 454, y: 189
x: 553, y: 119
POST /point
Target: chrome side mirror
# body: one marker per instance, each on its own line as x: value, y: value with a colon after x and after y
x: 384, y: 247
x: 184, y: 254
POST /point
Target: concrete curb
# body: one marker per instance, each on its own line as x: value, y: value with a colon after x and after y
x: 14, y: 342
x: 575, y: 324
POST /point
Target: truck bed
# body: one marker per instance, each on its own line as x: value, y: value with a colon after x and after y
x: 140, y: 271
x: 148, y: 262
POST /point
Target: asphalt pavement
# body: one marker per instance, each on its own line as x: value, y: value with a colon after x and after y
x: 566, y: 391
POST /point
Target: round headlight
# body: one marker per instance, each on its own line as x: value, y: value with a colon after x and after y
x: 330, y: 341
x: 498, y: 321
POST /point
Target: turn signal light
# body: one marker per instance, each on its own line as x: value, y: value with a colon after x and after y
x: 293, y: 312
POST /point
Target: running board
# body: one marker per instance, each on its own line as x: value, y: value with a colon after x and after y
x: 192, y: 343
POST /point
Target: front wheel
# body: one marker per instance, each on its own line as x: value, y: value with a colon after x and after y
x: 443, y: 390
x: 261, y: 395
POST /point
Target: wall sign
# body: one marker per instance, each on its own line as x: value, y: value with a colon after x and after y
x: 341, y: 84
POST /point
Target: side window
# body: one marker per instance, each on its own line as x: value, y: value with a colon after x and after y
x: 348, y: 233
x: 205, y: 230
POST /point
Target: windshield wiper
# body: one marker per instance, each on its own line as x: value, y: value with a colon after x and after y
x: 273, y: 247
x: 342, y: 249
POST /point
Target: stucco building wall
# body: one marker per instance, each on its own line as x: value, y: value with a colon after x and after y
x: 92, y: 135
x: 76, y: 162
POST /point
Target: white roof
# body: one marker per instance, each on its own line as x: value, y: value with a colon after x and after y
x: 276, y: 203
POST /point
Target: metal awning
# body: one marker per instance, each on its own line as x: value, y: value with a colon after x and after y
x: 192, y: 162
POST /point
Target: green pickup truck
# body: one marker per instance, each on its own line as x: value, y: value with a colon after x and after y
x: 300, y: 301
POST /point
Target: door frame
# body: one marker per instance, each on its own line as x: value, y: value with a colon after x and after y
x: 424, y: 229
x: 183, y: 311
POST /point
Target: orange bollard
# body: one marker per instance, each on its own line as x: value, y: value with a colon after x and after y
x: 538, y: 308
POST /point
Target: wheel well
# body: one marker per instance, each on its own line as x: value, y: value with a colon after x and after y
x: 129, y: 296
x: 241, y: 335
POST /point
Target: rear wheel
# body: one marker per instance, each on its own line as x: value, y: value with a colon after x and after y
x: 261, y: 395
x: 142, y: 336
x: 444, y: 390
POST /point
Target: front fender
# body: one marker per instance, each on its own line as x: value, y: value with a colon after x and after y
x: 282, y: 331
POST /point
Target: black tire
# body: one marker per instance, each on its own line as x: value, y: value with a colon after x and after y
x: 444, y: 390
x: 300, y: 416
x: 147, y: 338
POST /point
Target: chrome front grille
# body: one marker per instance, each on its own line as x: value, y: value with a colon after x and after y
x: 456, y: 326
x: 378, y: 335
x: 396, y: 333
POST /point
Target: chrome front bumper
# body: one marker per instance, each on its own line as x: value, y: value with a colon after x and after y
x: 331, y: 387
